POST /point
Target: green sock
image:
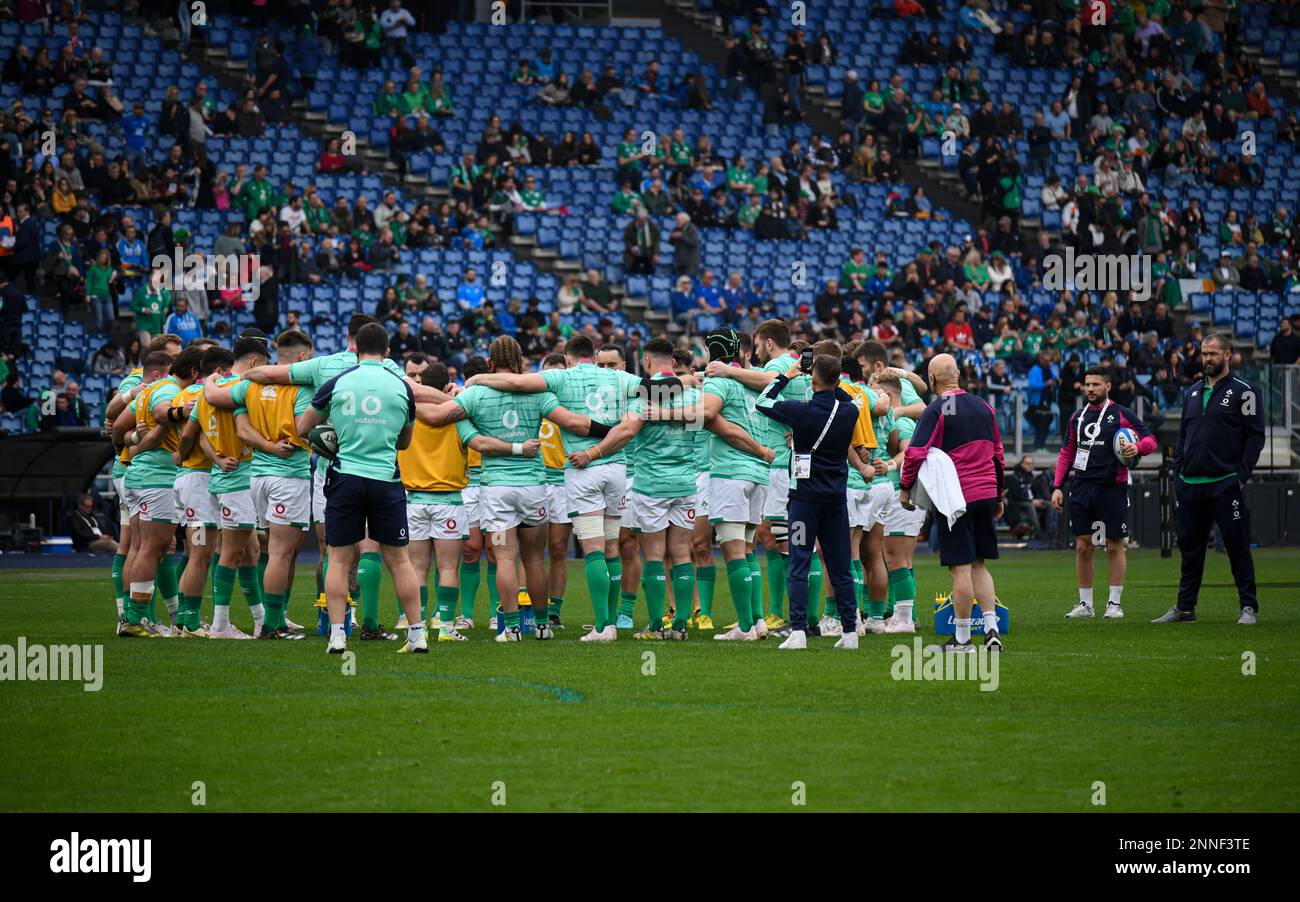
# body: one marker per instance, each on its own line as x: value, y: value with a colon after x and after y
x: 251, y: 587
x: 627, y: 601
x: 445, y: 598
x: 778, y: 574
x: 119, y: 561
x: 274, y: 611
x: 755, y: 586
x: 168, y: 589
x: 739, y: 577
x: 262, y: 560
x: 512, y: 618
x: 470, y: 575
x: 859, y: 584
x: 815, y: 588
x: 890, y: 597
x: 656, y: 589
x: 424, y: 602
x: 494, y: 597
x: 181, y: 563
x: 320, y: 573
x: 554, y: 604
x: 876, y: 609
x: 187, y: 612
x: 707, y: 579
x: 615, y: 566
x: 369, y: 573
x: 597, y: 572
x: 134, y: 611
x: 223, y: 585
x: 683, y: 591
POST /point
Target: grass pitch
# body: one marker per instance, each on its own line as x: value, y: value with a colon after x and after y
x: 1163, y: 715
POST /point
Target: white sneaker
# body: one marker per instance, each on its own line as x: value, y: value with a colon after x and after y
x: 861, y: 629
x: 435, y: 622
x: 1080, y: 611
x: 543, y: 632
x: 419, y: 647
x: 293, y: 627
x: 230, y: 632
x: 1114, y: 611
x: 492, y: 623
x: 510, y: 634
x: 874, y: 625
x: 831, y: 627
x: 402, y: 623
x: 165, y: 630
x: 760, y: 628
x: 608, y: 634
x: 464, y: 623
x: 337, y: 645
x: 894, y: 625
x: 798, y: 639
x: 736, y: 635
x: 848, y: 640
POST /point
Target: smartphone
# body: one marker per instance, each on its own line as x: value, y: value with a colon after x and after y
x: 806, y: 360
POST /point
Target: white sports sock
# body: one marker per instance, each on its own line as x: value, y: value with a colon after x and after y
x: 1085, y: 596
x: 414, y: 633
x: 1115, y: 593
x: 963, y: 629
x: 173, y: 605
x: 259, y: 613
x: 336, y: 629
x: 220, y: 617
x: 120, y: 609
x: 990, y: 621
x: 903, y: 610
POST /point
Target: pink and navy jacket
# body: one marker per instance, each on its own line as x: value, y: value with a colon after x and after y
x: 968, y: 432
x: 1099, y: 441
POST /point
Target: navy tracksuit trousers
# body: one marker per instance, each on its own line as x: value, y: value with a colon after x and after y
x: 826, y: 523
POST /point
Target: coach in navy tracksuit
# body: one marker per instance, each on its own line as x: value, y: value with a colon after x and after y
x: 822, y: 435
x: 1219, y: 441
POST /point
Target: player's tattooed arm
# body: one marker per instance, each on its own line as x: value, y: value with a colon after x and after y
x: 739, y: 439
x: 516, y: 382
x: 439, y: 414
x: 494, y: 447
x: 268, y: 374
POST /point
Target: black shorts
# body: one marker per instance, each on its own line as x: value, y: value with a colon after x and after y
x: 356, y: 507
x: 1092, y: 503
x: 973, y: 538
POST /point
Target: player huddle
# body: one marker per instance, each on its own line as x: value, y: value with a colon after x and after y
x: 250, y: 447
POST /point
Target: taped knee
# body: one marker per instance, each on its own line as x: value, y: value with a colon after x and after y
x: 731, y: 532
x: 750, y: 531
x: 612, y: 526
x: 780, y: 531
x: 588, y: 526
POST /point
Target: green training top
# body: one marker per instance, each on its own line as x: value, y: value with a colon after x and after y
x: 368, y: 406
x: 668, y: 472
x: 738, y: 403
x: 601, y: 394
x: 511, y: 417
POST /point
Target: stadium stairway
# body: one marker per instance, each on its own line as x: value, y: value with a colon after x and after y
x: 416, y: 186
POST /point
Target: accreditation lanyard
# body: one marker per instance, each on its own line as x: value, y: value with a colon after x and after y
x: 1081, y: 453
x: 803, y: 459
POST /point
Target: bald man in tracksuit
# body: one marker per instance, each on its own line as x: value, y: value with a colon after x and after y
x: 1219, y: 441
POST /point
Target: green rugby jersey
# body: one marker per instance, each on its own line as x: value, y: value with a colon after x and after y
x: 772, y: 434
x: 667, y: 469
x: 319, y: 370
x: 701, y: 440
x: 368, y: 406
x: 124, y: 388
x: 883, y: 425
x: 598, y: 393
x: 906, y: 426
x: 509, y: 417
x: 738, y: 403
x: 153, y: 469
x: 298, y: 464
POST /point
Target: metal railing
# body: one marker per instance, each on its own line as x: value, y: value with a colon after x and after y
x: 583, y: 11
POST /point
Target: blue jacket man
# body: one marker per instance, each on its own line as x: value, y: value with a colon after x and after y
x: 822, y: 434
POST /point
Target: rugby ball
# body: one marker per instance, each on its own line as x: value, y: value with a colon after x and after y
x: 1123, y: 434
x: 324, y: 441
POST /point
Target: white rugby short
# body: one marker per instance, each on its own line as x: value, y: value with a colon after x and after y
x: 777, y: 503
x: 902, y: 522
x: 318, y: 491
x: 198, y: 507
x: 443, y: 522
x: 503, y: 507
x: 557, y: 504
x: 651, y: 514
x: 859, y: 507
x: 702, y: 495
x: 879, y: 494
x: 735, y: 501
x: 237, y: 511
x: 282, y: 500
x: 592, y: 489
x: 153, y: 505
x: 469, y: 499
